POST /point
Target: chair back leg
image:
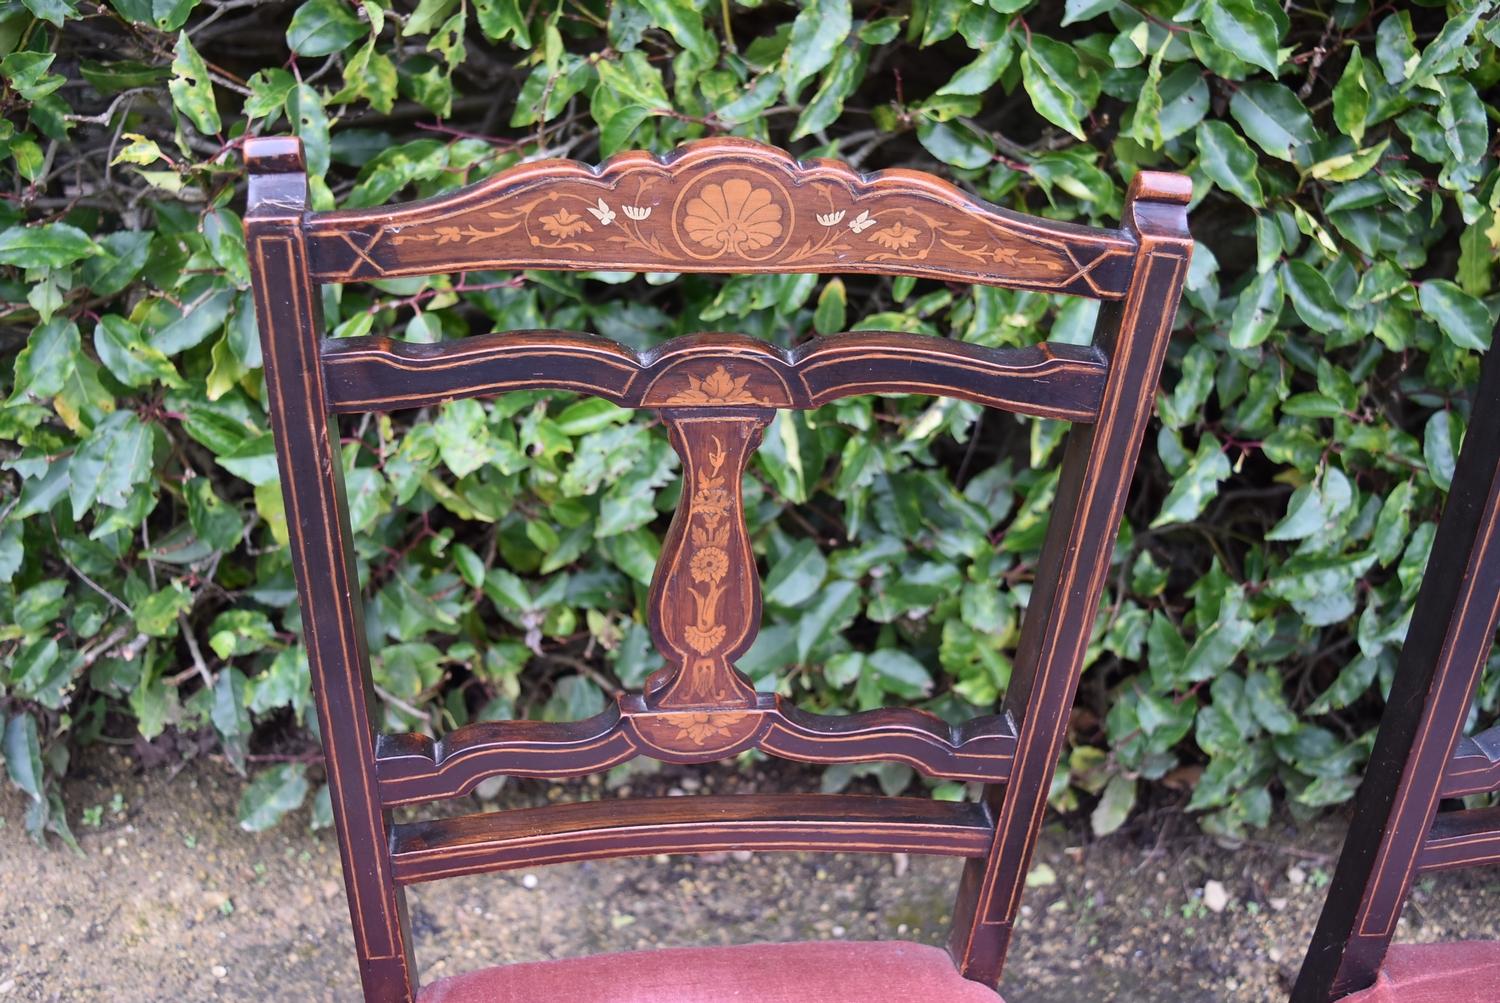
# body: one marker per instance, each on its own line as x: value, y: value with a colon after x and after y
x: 1452, y: 631
x: 289, y: 312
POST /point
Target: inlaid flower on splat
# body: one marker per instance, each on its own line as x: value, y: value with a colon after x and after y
x: 733, y: 218
x: 704, y: 636
x: 711, y: 503
x: 637, y: 212
x: 709, y: 565
x: 699, y: 728
x: 896, y: 237
x: 830, y: 218
x: 564, y: 223
x: 718, y: 387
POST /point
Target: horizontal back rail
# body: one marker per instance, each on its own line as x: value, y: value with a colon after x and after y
x: 709, y: 370
x: 1474, y: 767
x: 592, y: 830
x: 719, y: 205
x: 413, y: 768
x: 1462, y: 839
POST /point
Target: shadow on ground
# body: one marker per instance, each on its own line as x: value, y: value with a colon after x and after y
x: 170, y: 900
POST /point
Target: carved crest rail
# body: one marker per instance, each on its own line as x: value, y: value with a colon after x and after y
x: 721, y: 205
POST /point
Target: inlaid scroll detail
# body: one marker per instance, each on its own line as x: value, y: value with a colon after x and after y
x: 743, y: 213
x: 721, y: 205
x: 705, y: 598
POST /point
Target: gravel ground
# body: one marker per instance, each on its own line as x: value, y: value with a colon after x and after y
x: 170, y: 900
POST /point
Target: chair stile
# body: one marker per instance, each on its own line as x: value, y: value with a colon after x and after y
x: 1419, y: 759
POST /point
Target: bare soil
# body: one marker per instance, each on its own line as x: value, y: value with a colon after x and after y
x: 171, y: 900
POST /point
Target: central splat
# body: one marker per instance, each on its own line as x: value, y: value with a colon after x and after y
x: 705, y: 596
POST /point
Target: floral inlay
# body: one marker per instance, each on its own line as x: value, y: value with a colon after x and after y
x: 710, y: 561
x: 602, y: 212
x: 564, y: 223
x: 896, y: 237
x: 733, y: 218
x: 718, y: 387
x: 744, y: 215
x: 699, y: 728
x: 709, y: 565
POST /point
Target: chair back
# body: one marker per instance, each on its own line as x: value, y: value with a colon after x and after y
x: 1420, y: 758
x: 715, y: 206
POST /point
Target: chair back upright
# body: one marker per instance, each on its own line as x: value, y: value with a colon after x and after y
x: 1420, y: 758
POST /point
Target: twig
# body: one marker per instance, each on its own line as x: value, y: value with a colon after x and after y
x: 199, y: 665
x: 92, y: 655
x: 113, y: 599
x: 396, y: 701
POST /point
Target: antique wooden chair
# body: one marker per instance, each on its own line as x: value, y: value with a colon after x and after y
x: 1419, y: 760
x: 714, y: 206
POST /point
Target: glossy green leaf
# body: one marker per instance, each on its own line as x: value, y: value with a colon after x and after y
x: 1114, y: 806
x: 900, y: 674
x: 1312, y: 297
x: 323, y: 27
x: 830, y: 316
x: 50, y: 246
x: 23, y: 754
x: 1272, y: 116
x: 817, y: 32
x: 956, y: 143
x: 110, y: 463
x: 273, y: 793
x: 1245, y: 28
x: 44, y: 365
x: 128, y: 358
x: 1196, y: 486
x: 1464, y: 319
x: 1351, y: 98
x: 192, y: 88
x: 1062, y: 89
x: 1228, y: 162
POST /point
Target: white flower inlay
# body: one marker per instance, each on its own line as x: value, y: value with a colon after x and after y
x: 604, y: 214
x: 831, y: 218
x: 637, y: 212
x: 862, y: 222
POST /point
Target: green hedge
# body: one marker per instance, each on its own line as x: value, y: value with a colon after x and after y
x: 1348, y: 217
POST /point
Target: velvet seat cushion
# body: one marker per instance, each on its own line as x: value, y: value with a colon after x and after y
x: 1465, y: 972
x: 821, y: 972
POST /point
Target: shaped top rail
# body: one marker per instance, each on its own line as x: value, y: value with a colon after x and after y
x: 717, y: 205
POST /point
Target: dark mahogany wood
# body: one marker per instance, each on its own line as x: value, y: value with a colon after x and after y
x: 715, y: 206
x: 1047, y: 381
x: 1096, y: 468
x: 705, y: 595
x: 1462, y: 839
x: 312, y: 484
x: 590, y: 830
x: 1413, y: 764
x: 1474, y: 767
x: 719, y: 205
x: 414, y: 768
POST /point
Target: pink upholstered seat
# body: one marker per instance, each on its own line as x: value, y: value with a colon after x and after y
x: 823, y: 972
x: 1466, y: 972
